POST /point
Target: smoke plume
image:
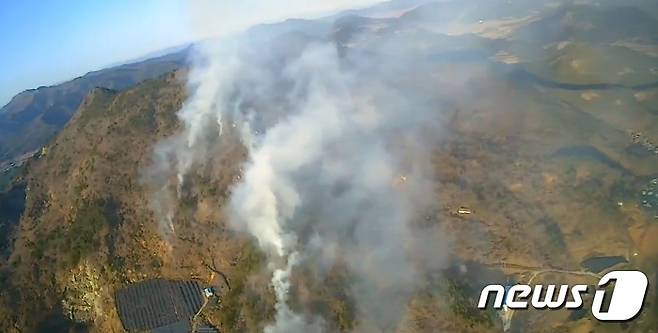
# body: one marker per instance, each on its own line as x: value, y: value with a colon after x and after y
x: 337, y: 170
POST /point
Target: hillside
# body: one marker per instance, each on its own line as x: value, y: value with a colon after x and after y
x: 87, y: 227
x: 57, y: 197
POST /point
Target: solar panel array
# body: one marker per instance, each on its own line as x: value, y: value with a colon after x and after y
x: 158, y: 303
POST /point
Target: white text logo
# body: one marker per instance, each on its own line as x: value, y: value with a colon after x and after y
x: 624, y: 303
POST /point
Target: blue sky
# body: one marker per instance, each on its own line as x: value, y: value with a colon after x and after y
x: 47, y: 42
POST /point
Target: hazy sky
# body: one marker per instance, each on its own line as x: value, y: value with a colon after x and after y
x: 46, y: 42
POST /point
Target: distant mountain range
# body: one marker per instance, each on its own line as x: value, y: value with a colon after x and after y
x: 32, y: 118
x: 35, y: 116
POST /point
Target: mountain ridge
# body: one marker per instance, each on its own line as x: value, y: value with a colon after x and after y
x: 31, y: 118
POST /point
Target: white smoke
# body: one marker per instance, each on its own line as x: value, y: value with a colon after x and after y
x: 286, y: 320
x: 220, y: 18
x: 337, y: 167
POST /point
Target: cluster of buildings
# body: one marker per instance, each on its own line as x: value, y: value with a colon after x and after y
x: 9, y: 167
x: 6, y: 167
x: 638, y: 138
x: 649, y: 195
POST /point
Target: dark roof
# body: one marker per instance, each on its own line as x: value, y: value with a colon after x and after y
x: 158, y: 303
x: 206, y: 329
x: 178, y: 327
